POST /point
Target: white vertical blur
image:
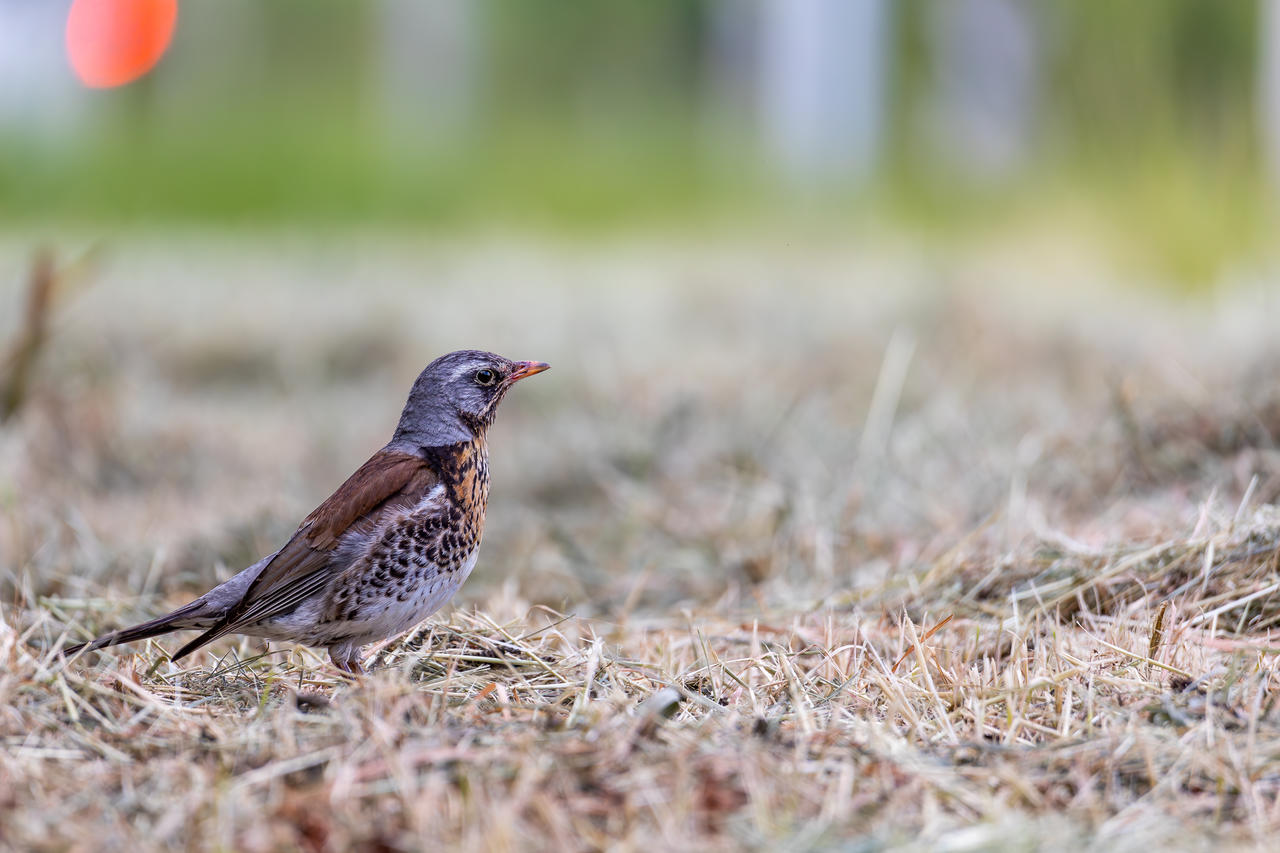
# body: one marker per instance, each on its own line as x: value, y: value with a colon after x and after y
x: 38, y: 90
x: 429, y: 67
x: 987, y: 73
x: 823, y: 85
x: 1269, y: 83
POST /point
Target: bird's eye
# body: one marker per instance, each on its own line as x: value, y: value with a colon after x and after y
x: 486, y: 377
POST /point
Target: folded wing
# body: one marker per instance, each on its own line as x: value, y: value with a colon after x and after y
x: 388, y: 482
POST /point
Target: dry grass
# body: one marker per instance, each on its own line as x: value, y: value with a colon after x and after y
x: 791, y: 550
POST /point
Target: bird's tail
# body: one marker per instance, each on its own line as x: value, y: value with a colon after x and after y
x: 175, y: 621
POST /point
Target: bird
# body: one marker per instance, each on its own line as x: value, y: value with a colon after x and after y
x: 388, y: 548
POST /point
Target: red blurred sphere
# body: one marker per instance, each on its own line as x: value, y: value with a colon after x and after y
x: 112, y: 42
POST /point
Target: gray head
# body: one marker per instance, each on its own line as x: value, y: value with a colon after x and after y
x: 455, y: 398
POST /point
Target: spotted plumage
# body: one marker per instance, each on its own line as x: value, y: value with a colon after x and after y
x: 390, y: 547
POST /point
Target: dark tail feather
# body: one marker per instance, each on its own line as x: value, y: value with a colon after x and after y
x: 154, y: 628
x: 207, y: 637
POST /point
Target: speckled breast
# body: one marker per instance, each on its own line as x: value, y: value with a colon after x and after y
x: 421, y: 558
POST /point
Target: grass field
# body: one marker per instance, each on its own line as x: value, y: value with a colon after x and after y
x: 796, y: 547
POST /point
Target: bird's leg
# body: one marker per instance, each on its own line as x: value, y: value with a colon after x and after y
x: 347, y: 659
x: 353, y: 661
x: 339, y: 660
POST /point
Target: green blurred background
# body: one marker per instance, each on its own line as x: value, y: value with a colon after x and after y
x: 1150, y: 126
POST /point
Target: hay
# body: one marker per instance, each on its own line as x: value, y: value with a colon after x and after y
x: 701, y: 621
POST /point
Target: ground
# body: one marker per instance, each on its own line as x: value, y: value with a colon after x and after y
x: 797, y: 546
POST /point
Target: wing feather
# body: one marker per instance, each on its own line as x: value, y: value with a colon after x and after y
x: 389, y: 480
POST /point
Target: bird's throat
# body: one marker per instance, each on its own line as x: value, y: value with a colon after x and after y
x: 464, y: 471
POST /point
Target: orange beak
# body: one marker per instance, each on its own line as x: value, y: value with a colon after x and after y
x: 527, y: 368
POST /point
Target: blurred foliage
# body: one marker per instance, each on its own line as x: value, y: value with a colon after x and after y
x: 603, y: 115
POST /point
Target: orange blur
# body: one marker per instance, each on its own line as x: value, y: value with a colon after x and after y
x: 113, y: 42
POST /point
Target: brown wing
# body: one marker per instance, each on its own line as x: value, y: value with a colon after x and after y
x: 302, y: 567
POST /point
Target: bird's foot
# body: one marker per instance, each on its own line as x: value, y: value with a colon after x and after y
x: 347, y: 660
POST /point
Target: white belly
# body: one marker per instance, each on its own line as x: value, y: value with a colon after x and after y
x: 391, y: 615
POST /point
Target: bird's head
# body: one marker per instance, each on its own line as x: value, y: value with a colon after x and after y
x: 456, y: 397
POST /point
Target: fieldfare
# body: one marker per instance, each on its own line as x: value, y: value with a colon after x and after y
x: 390, y: 547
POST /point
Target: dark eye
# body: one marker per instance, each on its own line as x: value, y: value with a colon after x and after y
x: 486, y: 377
